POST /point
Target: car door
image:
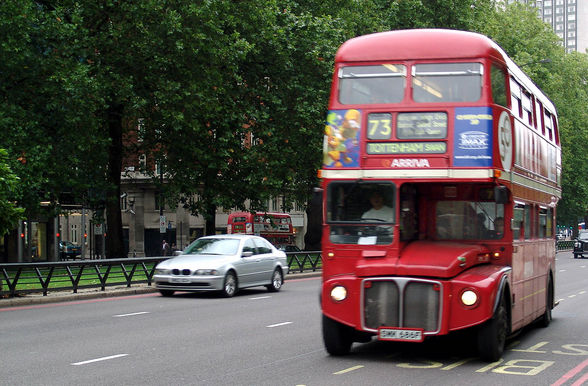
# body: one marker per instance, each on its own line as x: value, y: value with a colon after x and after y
x: 266, y: 260
x: 249, y: 266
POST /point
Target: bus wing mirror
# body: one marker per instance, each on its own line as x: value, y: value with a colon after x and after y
x: 501, y: 194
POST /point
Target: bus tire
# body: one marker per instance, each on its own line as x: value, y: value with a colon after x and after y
x: 546, y: 318
x: 492, y: 334
x: 337, y: 337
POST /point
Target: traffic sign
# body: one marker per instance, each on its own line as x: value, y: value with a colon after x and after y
x: 162, y: 224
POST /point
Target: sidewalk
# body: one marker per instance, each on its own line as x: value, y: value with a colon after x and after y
x: 96, y: 293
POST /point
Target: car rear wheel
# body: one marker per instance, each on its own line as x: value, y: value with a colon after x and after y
x: 277, y: 281
x: 166, y: 292
x: 230, y: 285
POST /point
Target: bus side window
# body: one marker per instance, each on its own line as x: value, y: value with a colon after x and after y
x: 498, y: 79
x: 527, y: 223
x: 517, y: 221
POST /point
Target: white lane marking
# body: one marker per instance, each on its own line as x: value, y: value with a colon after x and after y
x: 260, y: 297
x: 99, y: 359
x: 348, y: 370
x: 133, y: 314
x: 278, y: 324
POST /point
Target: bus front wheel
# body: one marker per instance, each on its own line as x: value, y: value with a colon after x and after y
x: 337, y: 337
x: 492, y: 334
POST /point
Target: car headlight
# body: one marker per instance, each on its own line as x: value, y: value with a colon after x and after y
x: 161, y: 271
x: 204, y: 272
x: 338, y: 293
x: 469, y: 298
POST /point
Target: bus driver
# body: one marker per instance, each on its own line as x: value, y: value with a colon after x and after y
x: 379, y: 211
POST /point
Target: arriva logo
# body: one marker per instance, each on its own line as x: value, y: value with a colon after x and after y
x: 410, y: 163
x: 473, y: 140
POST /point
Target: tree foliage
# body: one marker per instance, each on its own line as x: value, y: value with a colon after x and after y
x: 231, y: 95
x: 9, y: 212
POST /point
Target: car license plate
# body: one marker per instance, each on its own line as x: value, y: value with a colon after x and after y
x: 401, y: 334
x: 179, y: 280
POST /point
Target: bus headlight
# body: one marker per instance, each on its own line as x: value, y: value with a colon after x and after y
x: 338, y: 293
x: 469, y: 298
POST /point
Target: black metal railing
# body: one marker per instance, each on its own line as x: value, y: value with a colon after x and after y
x: 21, y: 278
x: 564, y: 245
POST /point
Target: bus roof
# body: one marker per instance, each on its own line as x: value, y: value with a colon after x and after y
x: 418, y: 44
x: 431, y: 44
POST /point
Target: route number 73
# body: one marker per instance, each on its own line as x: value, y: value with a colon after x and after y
x: 379, y: 126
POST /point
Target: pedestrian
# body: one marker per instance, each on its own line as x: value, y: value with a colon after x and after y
x: 165, y: 248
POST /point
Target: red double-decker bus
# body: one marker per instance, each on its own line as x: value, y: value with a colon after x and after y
x: 275, y: 227
x: 440, y: 178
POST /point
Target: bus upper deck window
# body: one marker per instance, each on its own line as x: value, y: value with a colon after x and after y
x: 372, y: 84
x: 447, y: 82
x: 498, y: 86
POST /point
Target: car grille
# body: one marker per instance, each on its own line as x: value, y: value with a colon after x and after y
x: 176, y: 271
x: 401, y: 302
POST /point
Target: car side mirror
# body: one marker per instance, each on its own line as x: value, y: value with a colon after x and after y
x: 177, y: 253
x: 246, y: 254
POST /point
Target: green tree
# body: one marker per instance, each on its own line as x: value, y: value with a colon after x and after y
x: 563, y: 79
x: 50, y: 137
x: 9, y: 212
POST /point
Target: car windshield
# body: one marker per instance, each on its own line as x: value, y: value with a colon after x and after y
x: 583, y: 236
x: 214, y: 246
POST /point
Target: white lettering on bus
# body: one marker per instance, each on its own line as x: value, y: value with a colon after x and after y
x: 410, y: 163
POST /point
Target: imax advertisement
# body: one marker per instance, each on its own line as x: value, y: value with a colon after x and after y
x: 473, y: 137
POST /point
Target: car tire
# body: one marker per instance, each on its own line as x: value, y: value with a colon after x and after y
x: 337, y: 337
x: 166, y: 293
x: 575, y: 256
x: 492, y: 334
x: 229, y: 285
x: 546, y: 318
x: 277, y: 281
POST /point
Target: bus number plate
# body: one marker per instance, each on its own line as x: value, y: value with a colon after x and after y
x: 401, y: 334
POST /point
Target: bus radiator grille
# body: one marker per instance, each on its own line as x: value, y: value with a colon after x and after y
x: 402, y: 303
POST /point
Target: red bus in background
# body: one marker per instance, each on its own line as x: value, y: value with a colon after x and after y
x: 275, y: 227
x: 440, y: 177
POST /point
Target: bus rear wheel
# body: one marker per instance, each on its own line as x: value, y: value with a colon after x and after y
x: 492, y: 334
x: 546, y: 318
x: 337, y: 337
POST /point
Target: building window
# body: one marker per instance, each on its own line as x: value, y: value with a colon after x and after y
x: 74, y: 233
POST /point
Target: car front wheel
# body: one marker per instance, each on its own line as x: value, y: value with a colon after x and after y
x: 230, y: 285
x: 277, y: 281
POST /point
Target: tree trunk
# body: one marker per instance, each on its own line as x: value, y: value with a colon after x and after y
x: 114, y: 235
x: 210, y: 218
